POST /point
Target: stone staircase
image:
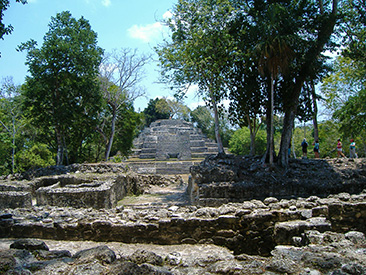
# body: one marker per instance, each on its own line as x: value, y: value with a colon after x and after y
x: 172, y: 139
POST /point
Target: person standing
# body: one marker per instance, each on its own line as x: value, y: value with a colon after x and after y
x: 316, y: 149
x: 352, y: 149
x: 339, y: 149
x: 304, y: 146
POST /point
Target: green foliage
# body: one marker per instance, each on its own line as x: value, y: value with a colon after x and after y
x: 352, y: 115
x: 62, y: 91
x: 345, y: 81
x: 328, y: 135
x: 156, y: 109
x: 240, y: 141
x: 5, y: 153
x: 175, y: 108
x: 11, y: 120
x: 345, y: 94
x: 126, y: 130
x: 354, y: 28
x: 35, y: 157
x: 200, y: 47
x: 345, y: 89
x: 203, y: 119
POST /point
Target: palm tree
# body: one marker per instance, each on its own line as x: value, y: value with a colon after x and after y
x: 274, y: 56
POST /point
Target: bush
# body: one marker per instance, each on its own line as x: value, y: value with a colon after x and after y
x: 35, y: 157
x: 239, y: 143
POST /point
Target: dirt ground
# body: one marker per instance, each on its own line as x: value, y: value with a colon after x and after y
x: 163, y: 194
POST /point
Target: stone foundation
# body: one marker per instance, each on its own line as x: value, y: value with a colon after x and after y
x: 77, y: 190
x: 95, y: 194
x: 15, y: 194
x: 216, y: 180
x: 252, y: 227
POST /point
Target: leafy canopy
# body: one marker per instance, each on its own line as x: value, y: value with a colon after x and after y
x: 62, y: 90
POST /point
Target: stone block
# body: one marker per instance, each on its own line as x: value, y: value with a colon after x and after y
x: 13, y: 199
x: 95, y: 194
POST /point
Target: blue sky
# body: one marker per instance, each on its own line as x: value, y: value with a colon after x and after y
x: 119, y: 24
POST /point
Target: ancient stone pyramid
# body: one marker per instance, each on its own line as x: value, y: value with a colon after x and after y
x: 170, y: 138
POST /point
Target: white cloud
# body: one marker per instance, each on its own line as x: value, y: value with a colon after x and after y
x: 193, y: 105
x: 167, y: 15
x: 106, y: 3
x: 192, y: 90
x: 147, y: 33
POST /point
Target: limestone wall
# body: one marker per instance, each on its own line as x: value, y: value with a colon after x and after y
x: 216, y: 180
x: 79, y: 191
x: 13, y: 199
x: 253, y: 227
x: 102, y: 194
x: 162, y: 167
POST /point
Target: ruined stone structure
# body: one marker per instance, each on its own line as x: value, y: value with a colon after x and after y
x: 174, y: 167
x: 255, y: 212
x: 219, y: 180
x: 173, y: 139
x: 252, y: 227
x: 98, y: 189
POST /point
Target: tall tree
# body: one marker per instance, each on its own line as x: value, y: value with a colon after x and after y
x: 121, y: 73
x: 62, y: 91
x: 153, y: 112
x: 199, y: 51
x: 247, y: 95
x: 313, y: 38
x: 306, y: 28
x: 13, y: 122
x: 175, y: 108
x: 345, y: 88
x: 274, y: 57
x: 354, y: 26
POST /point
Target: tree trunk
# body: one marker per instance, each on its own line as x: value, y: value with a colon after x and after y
x: 65, y: 151
x: 265, y: 158
x: 252, y: 130
x: 220, y: 147
x: 271, y: 145
x: 315, y: 110
x: 289, y: 119
x: 60, y: 148
x: 286, y: 138
x: 111, y: 137
x: 292, y: 102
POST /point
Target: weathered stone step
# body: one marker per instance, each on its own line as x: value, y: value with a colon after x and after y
x: 147, y: 156
x: 148, y: 151
x: 285, y: 232
x: 198, y: 149
x: 197, y: 143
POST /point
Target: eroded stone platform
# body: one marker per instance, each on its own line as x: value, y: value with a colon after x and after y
x: 173, y: 139
x: 219, y: 180
x: 79, y: 190
x: 252, y: 227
